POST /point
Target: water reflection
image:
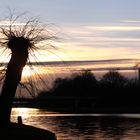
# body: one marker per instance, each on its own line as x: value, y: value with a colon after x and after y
x: 83, y: 127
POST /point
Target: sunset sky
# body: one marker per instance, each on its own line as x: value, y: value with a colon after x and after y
x: 88, y: 29
x: 106, y: 32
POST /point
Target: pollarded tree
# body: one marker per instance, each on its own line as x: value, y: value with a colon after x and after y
x: 21, y: 40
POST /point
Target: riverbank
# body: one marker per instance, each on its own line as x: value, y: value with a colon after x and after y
x: 20, y: 131
x: 82, y: 105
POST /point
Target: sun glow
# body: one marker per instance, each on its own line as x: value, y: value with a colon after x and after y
x: 27, y: 71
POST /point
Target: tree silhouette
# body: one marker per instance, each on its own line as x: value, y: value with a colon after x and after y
x: 21, y: 40
x: 114, y: 78
x: 82, y: 84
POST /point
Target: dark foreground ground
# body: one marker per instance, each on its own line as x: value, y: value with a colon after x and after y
x: 25, y: 132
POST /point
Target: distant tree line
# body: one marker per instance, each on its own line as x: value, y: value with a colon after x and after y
x: 113, y: 90
x: 86, y: 84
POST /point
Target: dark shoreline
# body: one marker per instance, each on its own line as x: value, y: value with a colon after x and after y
x: 20, y: 131
x: 71, y: 108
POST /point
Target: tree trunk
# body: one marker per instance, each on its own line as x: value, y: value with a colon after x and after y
x: 12, y: 79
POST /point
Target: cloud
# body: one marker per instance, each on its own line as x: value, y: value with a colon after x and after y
x: 105, y: 61
x: 85, y: 42
x: 90, y: 42
x: 130, y: 21
x: 114, y: 28
x: 7, y: 23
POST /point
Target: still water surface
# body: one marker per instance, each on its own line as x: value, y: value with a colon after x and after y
x: 82, y: 126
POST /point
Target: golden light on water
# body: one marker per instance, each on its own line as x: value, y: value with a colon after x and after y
x: 23, y: 111
x: 20, y: 112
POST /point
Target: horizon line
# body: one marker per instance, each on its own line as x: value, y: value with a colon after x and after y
x: 76, y: 62
x: 41, y: 63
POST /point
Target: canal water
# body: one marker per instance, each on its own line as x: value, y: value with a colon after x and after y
x: 82, y: 126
